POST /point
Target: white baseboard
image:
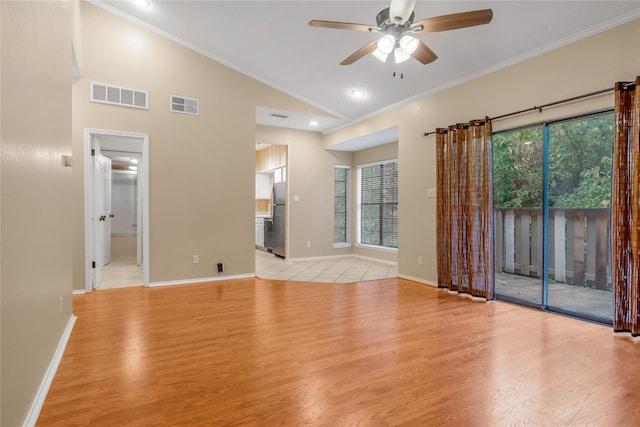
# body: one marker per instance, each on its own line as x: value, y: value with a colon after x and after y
x: 79, y: 292
x: 200, y: 280
x: 36, y: 406
x: 415, y: 279
x: 368, y: 258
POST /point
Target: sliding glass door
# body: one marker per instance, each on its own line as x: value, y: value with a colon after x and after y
x: 518, y: 163
x: 552, y: 194
x: 579, y: 200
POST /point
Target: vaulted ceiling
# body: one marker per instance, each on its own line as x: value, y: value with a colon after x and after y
x: 271, y: 41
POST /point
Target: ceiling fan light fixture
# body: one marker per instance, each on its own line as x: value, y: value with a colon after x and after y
x: 386, y: 44
x: 409, y: 44
x: 381, y: 56
x: 400, y: 55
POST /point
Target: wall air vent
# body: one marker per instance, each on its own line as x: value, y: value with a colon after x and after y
x: 184, y: 105
x: 279, y: 116
x: 108, y: 94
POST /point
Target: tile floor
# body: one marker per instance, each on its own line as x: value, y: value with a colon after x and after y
x: 345, y: 269
x: 124, y: 273
x: 120, y: 273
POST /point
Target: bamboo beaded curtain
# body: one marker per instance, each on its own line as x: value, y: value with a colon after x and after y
x: 625, y: 209
x: 465, y: 208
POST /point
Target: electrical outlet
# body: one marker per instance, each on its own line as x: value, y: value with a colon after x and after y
x: 420, y: 260
x: 220, y: 267
x: 196, y: 259
x: 431, y: 193
x: 308, y: 243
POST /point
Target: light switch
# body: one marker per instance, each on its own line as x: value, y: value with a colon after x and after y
x: 296, y: 198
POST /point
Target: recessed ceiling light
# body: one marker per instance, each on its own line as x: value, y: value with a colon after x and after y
x: 357, y: 93
x: 313, y: 123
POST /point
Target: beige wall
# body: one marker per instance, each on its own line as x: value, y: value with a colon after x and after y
x: 585, y: 66
x: 36, y: 249
x: 123, y: 246
x: 208, y: 208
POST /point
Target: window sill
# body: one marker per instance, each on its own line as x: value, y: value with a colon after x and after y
x: 377, y: 248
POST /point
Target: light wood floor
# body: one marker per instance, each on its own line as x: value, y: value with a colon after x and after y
x: 388, y: 352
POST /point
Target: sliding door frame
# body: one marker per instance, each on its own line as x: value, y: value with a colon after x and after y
x: 545, y: 227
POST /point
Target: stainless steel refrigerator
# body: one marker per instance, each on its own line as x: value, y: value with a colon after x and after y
x: 274, y: 227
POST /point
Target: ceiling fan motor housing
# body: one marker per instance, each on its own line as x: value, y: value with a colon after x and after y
x: 384, y: 21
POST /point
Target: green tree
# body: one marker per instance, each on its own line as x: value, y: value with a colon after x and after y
x: 518, y: 167
x: 580, y: 152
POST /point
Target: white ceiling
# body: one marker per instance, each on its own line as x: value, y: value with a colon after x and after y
x: 271, y: 41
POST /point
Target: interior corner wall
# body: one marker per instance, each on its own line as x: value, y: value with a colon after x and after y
x: 564, y: 72
x: 35, y: 82
x: 201, y: 168
x: 311, y: 176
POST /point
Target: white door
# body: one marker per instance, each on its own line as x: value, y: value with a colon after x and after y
x: 97, y: 252
x: 106, y: 174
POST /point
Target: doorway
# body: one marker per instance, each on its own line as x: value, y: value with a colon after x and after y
x: 116, y: 236
x: 271, y: 195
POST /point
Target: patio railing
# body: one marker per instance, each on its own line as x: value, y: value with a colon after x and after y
x: 579, y: 250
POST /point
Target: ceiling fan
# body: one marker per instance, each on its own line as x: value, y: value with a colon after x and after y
x: 396, y: 26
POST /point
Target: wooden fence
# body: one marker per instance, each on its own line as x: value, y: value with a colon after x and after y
x: 579, y: 249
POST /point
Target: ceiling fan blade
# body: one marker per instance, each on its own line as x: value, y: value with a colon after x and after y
x: 454, y: 21
x: 364, y: 50
x: 341, y: 25
x: 424, y: 54
x: 401, y: 9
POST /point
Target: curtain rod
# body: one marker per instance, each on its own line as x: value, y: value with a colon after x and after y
x: 551, y: 104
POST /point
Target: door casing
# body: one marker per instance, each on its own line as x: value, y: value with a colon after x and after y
x: 143, y: 174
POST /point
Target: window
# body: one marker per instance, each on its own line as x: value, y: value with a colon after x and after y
x: 378, y: 204
x: 341, y: 206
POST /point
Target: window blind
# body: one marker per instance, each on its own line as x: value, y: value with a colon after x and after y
x: 341, y: 205
x: 379, y: 204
